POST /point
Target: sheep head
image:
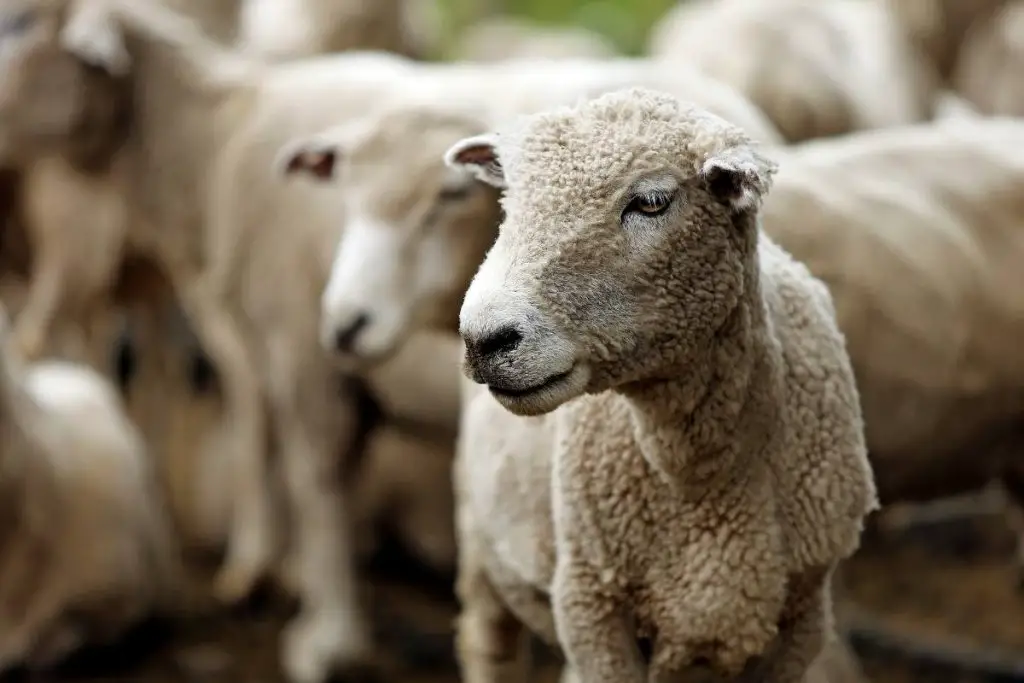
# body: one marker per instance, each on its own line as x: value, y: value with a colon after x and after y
x: 414, y: 230
x: 629, y: 237
x: 63, y: 81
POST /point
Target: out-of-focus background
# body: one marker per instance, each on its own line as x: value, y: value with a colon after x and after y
x: 929, y: 292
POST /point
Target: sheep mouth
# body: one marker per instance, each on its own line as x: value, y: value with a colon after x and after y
x: 550, y: 383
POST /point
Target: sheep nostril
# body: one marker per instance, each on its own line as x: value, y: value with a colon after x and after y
x: 502, y: 341
x: 346, y: 337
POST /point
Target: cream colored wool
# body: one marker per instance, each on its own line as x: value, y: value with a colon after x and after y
x: 85, y: 544
x: 817, y: 68
x: 670, y: 444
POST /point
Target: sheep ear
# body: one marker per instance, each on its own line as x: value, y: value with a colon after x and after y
x: 92, y: 34
x: 739, y: 177
x: 479, y: 156
x: 315, y: 158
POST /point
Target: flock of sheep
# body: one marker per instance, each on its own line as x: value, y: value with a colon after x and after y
x: 744, y: 290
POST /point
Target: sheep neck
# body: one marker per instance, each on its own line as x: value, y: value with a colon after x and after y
x: 704, y: 426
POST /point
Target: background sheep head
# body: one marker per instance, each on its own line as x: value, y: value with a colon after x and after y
x: 414, y: 230
x: 630, y: 234
x: 63, y: 82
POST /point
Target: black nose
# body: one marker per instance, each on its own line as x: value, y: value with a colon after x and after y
x: 502, y: 340
x: 344, y: 338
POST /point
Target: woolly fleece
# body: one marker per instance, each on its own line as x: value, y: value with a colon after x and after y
x: 711, y: 471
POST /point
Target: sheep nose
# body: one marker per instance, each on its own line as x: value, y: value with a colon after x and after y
x: 345, y: 337
x: 502, y: 340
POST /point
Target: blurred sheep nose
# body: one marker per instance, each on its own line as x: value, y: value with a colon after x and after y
x: 502, y: 340
x: 345, y: 337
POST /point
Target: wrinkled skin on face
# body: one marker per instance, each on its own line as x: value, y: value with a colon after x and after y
x: 629, y: 225
x: 414, y: 230
x: 51, y: 100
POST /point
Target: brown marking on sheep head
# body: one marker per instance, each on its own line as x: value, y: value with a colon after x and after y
x: 629, y: 242
x: 64, y: 87
x: 413, y: 230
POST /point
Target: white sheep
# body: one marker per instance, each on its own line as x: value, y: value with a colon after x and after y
x: 405, y: 263
x: 669, y: 446
x: 923, y: 270
x: 85, y: 547
x: 192, y: 110
x: 816, y: 67
x: 291, y: 29
x: 938, y: 28
x: 503, y: 37
x: 990, y: 67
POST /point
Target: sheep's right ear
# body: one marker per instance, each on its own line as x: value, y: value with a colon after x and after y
x: 92, y: 34
x: 479, y: 156
x: 315, y: 158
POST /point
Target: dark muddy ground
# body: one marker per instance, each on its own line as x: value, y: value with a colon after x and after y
x: 951, y: 586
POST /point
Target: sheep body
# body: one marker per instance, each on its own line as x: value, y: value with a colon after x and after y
x: 80, y: 494
x: 498, y: 38
x: 923, y: 272
x: 817, y: 68
x: 987, y: 72
x: 669, y: 445
x: 290, y: 29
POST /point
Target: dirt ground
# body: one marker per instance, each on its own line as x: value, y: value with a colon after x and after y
x: 951, y: 587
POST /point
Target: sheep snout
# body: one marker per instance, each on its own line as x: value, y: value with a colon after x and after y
x: 528, y: 367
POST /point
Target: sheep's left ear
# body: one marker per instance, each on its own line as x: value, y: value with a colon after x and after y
x: 316, y: 158
x: 92, y: 34
x: 479, y: 156
x: 739, y: 177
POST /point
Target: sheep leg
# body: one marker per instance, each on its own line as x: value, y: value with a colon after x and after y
x: 43, y: 302
x: 42, y: 613
x: 806, y: 624
x: 593, y: 627
x: 331, y: 633
x: 492, y: 645
x: 251, y: 544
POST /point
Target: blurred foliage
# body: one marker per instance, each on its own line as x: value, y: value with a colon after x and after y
x: 625, y: 22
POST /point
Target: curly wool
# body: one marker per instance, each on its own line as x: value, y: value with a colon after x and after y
x: 714, y: 473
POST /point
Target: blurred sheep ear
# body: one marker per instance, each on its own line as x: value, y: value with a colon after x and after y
x: 739, y: 177
x: 314, y: 158
x: 479, y: 156
x: 91, y: 33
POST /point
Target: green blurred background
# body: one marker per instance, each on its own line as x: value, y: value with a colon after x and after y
x: 624, y: 22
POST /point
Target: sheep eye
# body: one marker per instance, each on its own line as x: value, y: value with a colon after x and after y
x: 648, y: 204
x: 453, y: 194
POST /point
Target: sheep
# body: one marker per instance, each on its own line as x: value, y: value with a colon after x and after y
x: 617, y: 397
x: 923, y: 270
x: 498, y: 38
x: 195, y: 109
x: 817, y: 68
x: 85, y: 548
x: 290, y: 29
x: 938, y: 28
x: 988, y: 71
x: 404, y: 264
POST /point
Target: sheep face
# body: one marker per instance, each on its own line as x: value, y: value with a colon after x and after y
x: 57, y: 90
x: 630, y: 231
x: 414, y: 230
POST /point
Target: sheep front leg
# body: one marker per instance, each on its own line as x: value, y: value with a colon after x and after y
x: 251, y: 545
x: 492, y: 645
x: 36, y: 319
x: 807, y: 622
x: 331, y: 633
x: 593, y: 627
